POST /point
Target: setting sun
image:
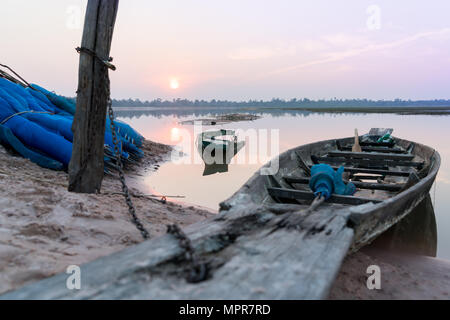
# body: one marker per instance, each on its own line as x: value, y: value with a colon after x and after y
x: 174, y: 84
x: 175, y: 134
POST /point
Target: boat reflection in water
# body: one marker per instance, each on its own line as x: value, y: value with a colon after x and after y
x: 217, y: 149
x: 414, y: 234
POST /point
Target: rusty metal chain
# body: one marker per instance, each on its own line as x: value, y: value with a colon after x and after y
x: 197, y: 271
x: 131, y: 209
x: 117, y: 151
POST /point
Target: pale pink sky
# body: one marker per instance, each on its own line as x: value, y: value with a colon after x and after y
x: 243, y: 49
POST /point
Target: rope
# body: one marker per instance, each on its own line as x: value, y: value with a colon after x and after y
x: 293, y: 219
x: 16, y: 74
x: 316, y: 203
x: 25, y: 84
x: 23, y: 112
x: 107, y: 63
x: 145, y: 195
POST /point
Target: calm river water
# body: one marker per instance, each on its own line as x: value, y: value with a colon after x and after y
x: 185, y: 176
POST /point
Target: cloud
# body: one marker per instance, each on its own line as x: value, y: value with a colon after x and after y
x: 345, y: 40
x: 344, y: 54
x: 262, y: 52
x: 308, y: 45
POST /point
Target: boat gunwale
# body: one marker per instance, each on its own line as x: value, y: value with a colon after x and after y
x: 356, y: 212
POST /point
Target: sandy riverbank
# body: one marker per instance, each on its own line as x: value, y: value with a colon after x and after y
x: 403, y: 277
x: 44, y: 228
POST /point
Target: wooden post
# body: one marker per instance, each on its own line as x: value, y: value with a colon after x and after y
x: 86, y: 168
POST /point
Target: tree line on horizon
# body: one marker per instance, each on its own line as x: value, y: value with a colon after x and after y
x: 281, y: 103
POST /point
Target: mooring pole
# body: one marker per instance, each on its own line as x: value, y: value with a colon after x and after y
x: 86, y: 168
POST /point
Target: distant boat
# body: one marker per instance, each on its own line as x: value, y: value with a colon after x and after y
x: 209, y: 144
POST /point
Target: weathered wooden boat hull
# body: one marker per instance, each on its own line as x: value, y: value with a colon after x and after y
x: 249, y: 251
x: 368, y: 221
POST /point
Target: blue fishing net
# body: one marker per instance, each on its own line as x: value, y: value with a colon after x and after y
x: 37, y: 124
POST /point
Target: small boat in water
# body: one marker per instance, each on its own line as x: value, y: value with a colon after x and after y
x: 217, y: 149
x: 213, y: 140
x: 392, y: 177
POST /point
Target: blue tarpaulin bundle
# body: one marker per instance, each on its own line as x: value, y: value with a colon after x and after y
x: 37, y: 124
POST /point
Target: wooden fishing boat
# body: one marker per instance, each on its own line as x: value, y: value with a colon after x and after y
x: 211, y: 140
x: 217, y: 149
x: 267, y: 242
x: 392, y: 179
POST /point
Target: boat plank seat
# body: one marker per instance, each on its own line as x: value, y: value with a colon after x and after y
x: 361, y: 185
x: 377, y: 144
x: 375, y: 171
x: 366, y: 177
x: 291, y: 194
x: 376, y: 149
x: 367, y: 162
x: 371, y: 155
